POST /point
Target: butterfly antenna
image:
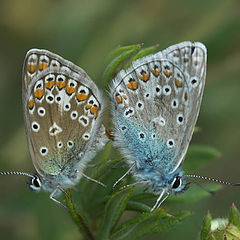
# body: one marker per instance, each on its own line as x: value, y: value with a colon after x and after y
x: 212, y: 180
x: 17, y: 173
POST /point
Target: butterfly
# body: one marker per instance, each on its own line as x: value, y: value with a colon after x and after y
x: 155, y: 106
x: 62, y: 109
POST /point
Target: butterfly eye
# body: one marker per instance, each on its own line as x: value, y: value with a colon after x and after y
x: 177, y: 182
x: 35, y: 184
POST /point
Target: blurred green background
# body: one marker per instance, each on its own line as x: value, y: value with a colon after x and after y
x: 85, y: 32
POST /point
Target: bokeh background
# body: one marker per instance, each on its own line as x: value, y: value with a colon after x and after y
x: 85, y: 32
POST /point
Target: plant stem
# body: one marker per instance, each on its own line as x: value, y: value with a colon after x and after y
x: 77, y: 218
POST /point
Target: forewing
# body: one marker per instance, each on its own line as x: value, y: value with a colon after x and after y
x: 62, y: 106
x: 156, y: 103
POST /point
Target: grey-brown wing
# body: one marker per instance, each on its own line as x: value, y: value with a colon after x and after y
x: 191, y: 58
x: 62, y: 108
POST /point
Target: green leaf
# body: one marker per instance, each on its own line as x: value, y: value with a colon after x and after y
x: 194, y: 193
x: 138, y: 206
x: 206, y: 227
x: 106, y: 153
x: 93, y: 192
x: 198, y: 156
x: 102, y: 169
x: 118, y: 59
x: 113, y: 211
x: 224, y: 231
x: 143, y: 196
x: 146, y: 198
x: 234, y: 216
x: 211, y: 237
x: 118, y: 51
x: 142, y: 53
x: 147, y: 223
x: 231, y: 232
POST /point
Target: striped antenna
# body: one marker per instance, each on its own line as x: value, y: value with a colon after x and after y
x: 212, y: 180
x: 17, y: 173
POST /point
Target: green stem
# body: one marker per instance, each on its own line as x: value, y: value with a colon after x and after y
x: 77, y: 218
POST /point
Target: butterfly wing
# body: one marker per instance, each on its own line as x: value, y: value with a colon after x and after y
x: 192, y: 60
x: 156, y: 103
x: 62, y: 108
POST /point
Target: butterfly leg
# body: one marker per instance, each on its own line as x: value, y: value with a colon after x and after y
x: 55, y: 192
x: 52, y: 197
x: 63, y: 191
x: 123, y: 176
x: 160, y: 200
x: 94, y: 180
x: 133, y: 184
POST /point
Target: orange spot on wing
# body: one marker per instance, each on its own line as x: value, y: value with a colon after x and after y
x: 144, y: 77
x: 178, y: 83
x: 31, y: 68
x: 49, y: 84
x: 88, y: 106
x: 167, y: 73
x: 185, y: 96
x: 96, y: 115
x: 61, y: 84
x: 93, y: 109
x: 81, y: 97
x: 118, y: 99
x: 70, y: 90
x: 31, y: 104
x: 39, y: 93
x: 42, y: 66
x: 155, y: 72
x: 124, y: 96
x: 132, y: 84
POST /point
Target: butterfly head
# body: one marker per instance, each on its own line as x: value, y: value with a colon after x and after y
x: 170, y: 183
x: 35, y: 183
x: 163, y: 183
x: 178, y: 184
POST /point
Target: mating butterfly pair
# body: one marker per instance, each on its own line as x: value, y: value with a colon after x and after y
x: 155, y: 104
